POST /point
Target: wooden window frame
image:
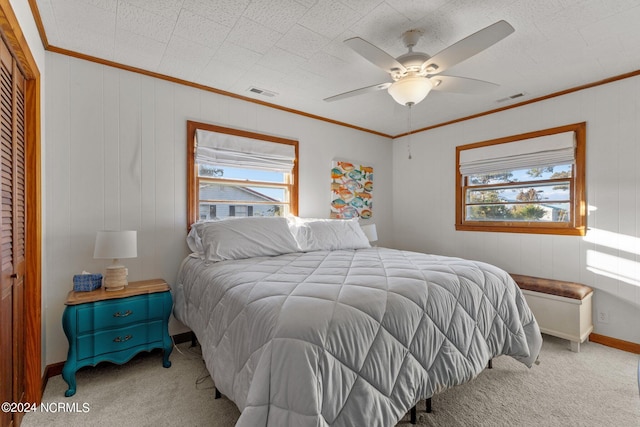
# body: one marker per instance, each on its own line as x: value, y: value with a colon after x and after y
x: 193, y: 179
x: 576, y: 226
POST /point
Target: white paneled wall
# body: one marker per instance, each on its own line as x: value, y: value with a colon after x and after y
x: 116, y: 159
x: 608, y: 258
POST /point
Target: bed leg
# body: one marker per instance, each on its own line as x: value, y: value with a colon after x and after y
x: 490, y: 365
x: 217, y: 393
x: 413, y: 415
x: 194, y: 340
x: 428, y: 402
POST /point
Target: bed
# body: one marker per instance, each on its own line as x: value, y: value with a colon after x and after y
x: 307, y: 325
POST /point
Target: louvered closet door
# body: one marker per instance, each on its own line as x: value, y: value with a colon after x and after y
x: 12, y: 231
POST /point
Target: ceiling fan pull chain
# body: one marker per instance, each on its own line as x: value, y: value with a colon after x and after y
x: 409, y: 136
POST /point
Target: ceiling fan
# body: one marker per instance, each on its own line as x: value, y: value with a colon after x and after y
x: 415, y: 74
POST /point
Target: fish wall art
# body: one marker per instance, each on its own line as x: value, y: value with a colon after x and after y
x: 351, y: 190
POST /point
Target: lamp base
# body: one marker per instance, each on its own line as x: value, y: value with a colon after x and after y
x: 115, y: 278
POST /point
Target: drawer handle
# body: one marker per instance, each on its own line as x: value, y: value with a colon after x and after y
x: 120, y: 339
x: 125, y: 314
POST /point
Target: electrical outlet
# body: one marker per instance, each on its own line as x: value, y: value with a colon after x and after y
x: 603, y: 317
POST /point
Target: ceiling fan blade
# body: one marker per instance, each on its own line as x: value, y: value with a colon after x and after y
x: 467, y: 47
x: 462, y: 85
x: 360, y: 91
x: 375, y: 55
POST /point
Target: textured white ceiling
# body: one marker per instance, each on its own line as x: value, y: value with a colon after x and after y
x: 295, y: 47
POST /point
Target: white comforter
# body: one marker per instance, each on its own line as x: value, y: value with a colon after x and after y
x: 349, y: 338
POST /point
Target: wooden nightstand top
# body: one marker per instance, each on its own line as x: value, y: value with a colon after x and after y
x: 134, y: 288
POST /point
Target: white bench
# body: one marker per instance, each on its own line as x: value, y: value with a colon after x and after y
x: 562, y: 309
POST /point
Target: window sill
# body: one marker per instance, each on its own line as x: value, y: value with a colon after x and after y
x: 529, y: 229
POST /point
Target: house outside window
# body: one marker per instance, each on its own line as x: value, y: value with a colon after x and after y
x: 221, y: 201
x: 529, y: 183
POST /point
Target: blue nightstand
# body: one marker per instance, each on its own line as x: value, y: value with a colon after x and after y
x: 114, y: 326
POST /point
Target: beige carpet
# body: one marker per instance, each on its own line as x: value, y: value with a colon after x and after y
x: 596, y: 387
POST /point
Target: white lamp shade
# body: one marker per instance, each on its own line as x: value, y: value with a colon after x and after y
x: 370, y: 231
x: 410, y: 90
x: 116, y: 244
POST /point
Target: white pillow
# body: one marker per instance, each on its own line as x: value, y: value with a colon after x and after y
x: 240, y: 238
x: 328, y: 234
x: 193, y: 241
x: 193, y: 238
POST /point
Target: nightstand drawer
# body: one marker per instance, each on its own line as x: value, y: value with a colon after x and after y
x: 119, y: 339
x: 118, y: 313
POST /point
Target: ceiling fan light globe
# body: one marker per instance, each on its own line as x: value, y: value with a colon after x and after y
x: 410, y: 90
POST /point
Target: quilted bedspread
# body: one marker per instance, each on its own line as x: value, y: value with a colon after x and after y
x: 349, y: 338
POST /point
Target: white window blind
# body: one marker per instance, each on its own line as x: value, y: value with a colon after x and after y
x: 222, y: 149
x: 548, y: 150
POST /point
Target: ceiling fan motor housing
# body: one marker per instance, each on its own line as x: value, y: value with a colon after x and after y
x: 412, y: 61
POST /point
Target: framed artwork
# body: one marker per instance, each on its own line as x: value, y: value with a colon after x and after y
x: 351, y: 190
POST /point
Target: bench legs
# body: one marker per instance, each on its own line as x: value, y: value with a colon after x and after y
x: 575, y: 346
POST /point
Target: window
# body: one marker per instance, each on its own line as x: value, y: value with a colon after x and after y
x: 235, y: 173
x: 529, y: 183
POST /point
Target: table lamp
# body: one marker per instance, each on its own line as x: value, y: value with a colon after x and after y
x: 115, y: 245
x: 370, y: 231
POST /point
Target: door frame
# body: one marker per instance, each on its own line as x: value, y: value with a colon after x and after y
x: 33, y: 194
